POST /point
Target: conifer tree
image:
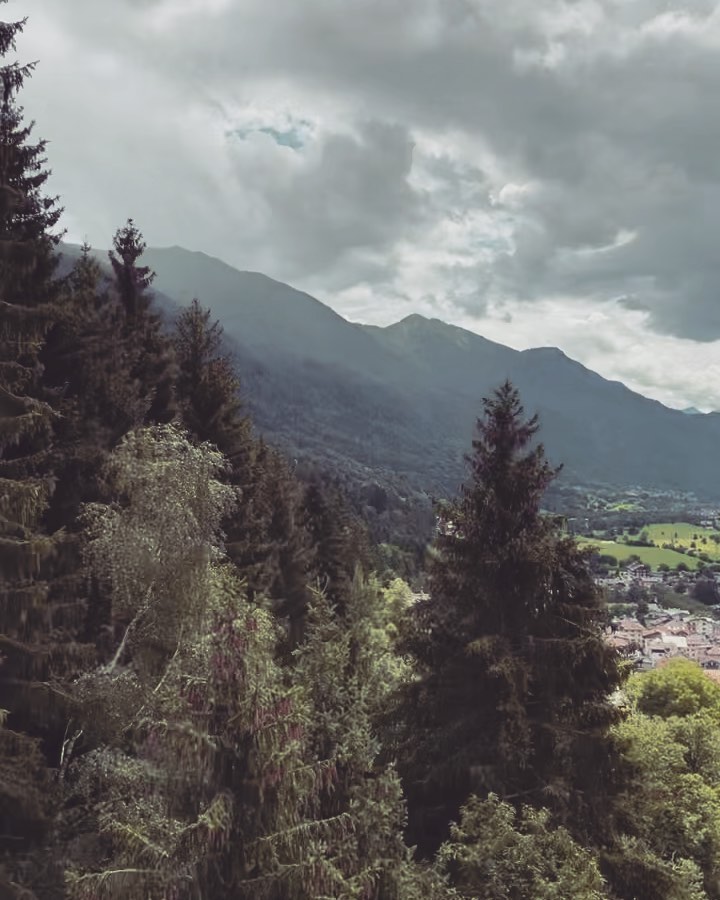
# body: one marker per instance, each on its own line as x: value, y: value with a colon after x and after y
x: 90, y: 362
x: 74, y: 350
x: 65, y: 348
x: 513, y: 674
x: 188, y: 777
x: 248, y: 541
x: 495, y: 852
x: 208, y: 389
x: 338, y: 542
x: 208, y: 395
x: 266, y: 537
x: 36, y: 628
x: 145, y: 353
x: 347, y: 668
x: 291, y: 558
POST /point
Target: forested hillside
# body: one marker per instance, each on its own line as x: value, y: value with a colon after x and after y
x: 396, y: 404
x: 214, y: 685
x: 401, y: 400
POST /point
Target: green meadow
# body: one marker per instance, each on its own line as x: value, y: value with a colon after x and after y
x: 651, y: 556
x: 682, y: 534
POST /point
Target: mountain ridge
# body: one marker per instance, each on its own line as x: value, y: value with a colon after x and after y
x: 402, y: 400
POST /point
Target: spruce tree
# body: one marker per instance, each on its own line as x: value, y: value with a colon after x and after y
x: 208, y: 396
x: 266, y: 537
x: 188, y: 775
x: 37, y: 624
x: 290, y: 560
x: 346, y: 668
x: 145, y: 353
x: 75, y: 350
x: 338, y: 541
x: 208, y: 389
x: 513, y: 675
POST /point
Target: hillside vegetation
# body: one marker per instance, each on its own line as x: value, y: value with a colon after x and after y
x: 213, y: 683
x: 375, y: 402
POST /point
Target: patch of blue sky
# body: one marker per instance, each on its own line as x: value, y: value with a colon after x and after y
x: 294, y: 136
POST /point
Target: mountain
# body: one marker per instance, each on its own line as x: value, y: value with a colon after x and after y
x: 601, y: 430
x: 398, y: 404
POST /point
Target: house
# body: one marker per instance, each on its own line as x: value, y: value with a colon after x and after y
x: 656, y: 651
x: 619, y: 642
x: 638, y: 570
x: 677, y: 644
x: 630, y: 628
x: 680, y: 614
x: 652, y: 579
x: 697, y: 646
x: 702, y: 625
x: 710, y: 659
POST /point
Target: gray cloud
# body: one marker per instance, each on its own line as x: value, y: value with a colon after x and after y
x: 350, y: 199
x: 466, y: 153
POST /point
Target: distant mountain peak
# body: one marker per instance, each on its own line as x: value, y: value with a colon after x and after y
x: 419, y: 327
x: 549, y: 352
x: 401, y: 401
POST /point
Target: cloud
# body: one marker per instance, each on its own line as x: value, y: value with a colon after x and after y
x: 343, y: 201
x: 463, y: 158
x: 607, y: 339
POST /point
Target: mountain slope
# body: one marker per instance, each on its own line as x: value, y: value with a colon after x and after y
x: 267, y: 315
x: 601, y: 430
x: 402, y: 400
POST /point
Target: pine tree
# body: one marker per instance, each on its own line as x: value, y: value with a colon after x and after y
x: 495, y: 852
x: 145, y: 352
x: 266, y: 537
x: 208, y: 389
x: 37, y: 626
x: 338, y: 541
x: 513, y: 674
x: 347, y: 669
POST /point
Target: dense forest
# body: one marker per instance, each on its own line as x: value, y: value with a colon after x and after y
x: 214, y: 685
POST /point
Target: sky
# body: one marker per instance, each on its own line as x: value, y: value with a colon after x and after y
x: 540, y: 172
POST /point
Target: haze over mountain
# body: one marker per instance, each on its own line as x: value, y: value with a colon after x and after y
x: 402, y: 400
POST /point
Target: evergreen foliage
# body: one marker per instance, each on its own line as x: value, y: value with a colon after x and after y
x: 496, y: 853
x: 513, y: 675
x: 38, y: 624
x: 146, y: 354
x: 267, y: 538
x: 201, y: 694
x: 111, y: 365
x: 196, y: 766
x: 189, y: 770
x: 348, y: 669
x: 207, y: 387
x: 76, y: 362
x: 338, y: 540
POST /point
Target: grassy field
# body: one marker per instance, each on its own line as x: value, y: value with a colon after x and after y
x: 651, y: 556
x: 683, y: 534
